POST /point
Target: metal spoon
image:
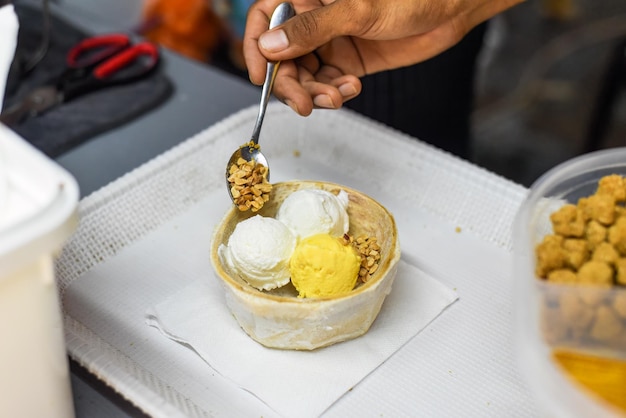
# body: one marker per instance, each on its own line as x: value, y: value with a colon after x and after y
x: 250, y: 151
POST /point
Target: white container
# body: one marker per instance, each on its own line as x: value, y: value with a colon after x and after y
x: 38, y: 202
x: 557, y: 394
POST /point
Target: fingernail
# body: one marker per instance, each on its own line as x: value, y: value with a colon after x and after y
x: 274, y: 41
x: 323, y: 100
x: 347, y: 89
x: 292, y: 105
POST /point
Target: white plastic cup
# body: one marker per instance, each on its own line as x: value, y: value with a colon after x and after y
x: 38, y: 201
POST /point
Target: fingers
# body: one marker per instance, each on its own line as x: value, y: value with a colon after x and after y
x: 257, y: 23
x: 303, y: 90
x: 307, y: 31
x: 312, y: 27
x: 348, y: 87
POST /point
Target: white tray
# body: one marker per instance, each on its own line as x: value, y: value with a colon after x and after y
x: 454, y: 221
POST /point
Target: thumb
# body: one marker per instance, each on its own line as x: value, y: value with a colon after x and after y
x: 305, y: 32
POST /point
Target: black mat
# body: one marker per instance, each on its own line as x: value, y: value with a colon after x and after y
x: 72, y: 123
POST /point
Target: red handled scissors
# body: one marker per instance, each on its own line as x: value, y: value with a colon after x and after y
x: 92, y: 64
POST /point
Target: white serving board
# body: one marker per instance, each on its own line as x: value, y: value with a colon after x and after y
x: 454, y: 221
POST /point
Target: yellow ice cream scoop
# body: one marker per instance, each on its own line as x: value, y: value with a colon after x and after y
x: 322, y: 265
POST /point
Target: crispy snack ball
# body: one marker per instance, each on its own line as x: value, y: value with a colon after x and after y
x: 617, y: 235
x: 550, y: 255
x: 576, y: 252
x: 577, y: 314
x: 595, y: 234
x: 554, y: 326
x: 607, y: 324
x: 568, y: 221
x: 619, y: 304
x: 586, y: 307
x: 605, y: 252
x: 599, y: 207
x: 620, y: 274
x: 613, y: 185
x: 563, y: 276
x: 587, y: 251
x: 592, y: 230
x: 595, y: 272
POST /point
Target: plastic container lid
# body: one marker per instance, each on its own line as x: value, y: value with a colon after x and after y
x: 38, y: 201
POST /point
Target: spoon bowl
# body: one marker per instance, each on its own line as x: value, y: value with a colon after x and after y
x: 251, y: 151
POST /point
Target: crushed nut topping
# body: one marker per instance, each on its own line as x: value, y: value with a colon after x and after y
x: 369, y: 250
x: 248, y: 185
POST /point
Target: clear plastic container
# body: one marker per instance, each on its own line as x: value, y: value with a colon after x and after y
x: 547, y: 326
x: 38, y: 202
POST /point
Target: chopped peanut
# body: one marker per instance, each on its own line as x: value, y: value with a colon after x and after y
x: 369, y: 250
x: 248, y: 185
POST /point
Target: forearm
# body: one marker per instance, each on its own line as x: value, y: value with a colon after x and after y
x: 454, y: 20
x: 351, y: 39
x: 485, y: 10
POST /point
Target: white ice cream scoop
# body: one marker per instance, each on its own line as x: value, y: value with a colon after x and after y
x: 308, y: 212
x: 259, y: 249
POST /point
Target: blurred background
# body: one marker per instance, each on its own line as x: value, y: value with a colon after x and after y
x: 551, y: 80
x: 551, y: 85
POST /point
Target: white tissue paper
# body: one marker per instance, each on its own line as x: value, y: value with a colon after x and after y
x: 298, y: 383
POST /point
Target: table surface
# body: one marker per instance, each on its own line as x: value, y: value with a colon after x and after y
x: 202, y: 96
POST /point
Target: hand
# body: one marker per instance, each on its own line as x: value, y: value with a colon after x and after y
x: 329, y: 44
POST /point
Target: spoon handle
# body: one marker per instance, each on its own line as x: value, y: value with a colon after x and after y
x: 281, y: 14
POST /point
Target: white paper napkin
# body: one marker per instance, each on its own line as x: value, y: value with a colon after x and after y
x: 298, y: 383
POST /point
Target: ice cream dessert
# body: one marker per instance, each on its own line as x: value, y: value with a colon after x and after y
x: 259, y: 249
x: 338, y: 283
x: 323, y: 265
x: 315, y: 211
